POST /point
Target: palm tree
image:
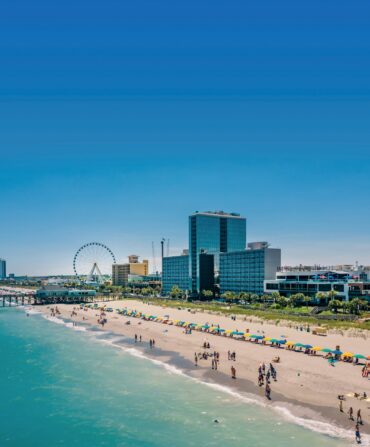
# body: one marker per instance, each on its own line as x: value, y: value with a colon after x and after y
x: 176, y: 292
x: 335, y: 305
x: 307, y: 300
x: 275, y: 296
x: 229, y: 296
x: 322, y: 297
x: 207, y: 293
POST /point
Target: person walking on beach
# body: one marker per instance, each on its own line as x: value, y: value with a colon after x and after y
x: 268, y: 391
x: 135, y: 338
x: 359, y: 418
x: 140, y: 339
x: 341, y: 406
x: 350, y: 413
x: 358, y: 434
x: 228, y: 355
x: 233, y: 373
x: 196, y: 359
x: 150, y: 343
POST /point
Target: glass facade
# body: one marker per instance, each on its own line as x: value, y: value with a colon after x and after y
x: 246, y: 271
x: 2, y: 269
x: 175, y: 273
x: 213, y: 233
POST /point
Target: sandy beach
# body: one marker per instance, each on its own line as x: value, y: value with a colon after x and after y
x: 308, y: 386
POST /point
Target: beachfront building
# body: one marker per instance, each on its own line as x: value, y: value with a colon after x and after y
x: 58, y: 292
x: 346, y: 284
x: 213, y: 233
x: 247, y: 270
x: 2, y: 269
x: 175, y: 272
x: 152, y: 280
x: 120, y: 272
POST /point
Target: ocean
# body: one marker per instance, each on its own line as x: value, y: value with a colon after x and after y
x: 65, y: 387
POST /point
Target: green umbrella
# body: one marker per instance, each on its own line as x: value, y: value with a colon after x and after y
x: 326, y: 350
x: 359, y: 356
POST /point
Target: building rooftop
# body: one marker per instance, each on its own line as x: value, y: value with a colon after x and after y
x: 217, y: 214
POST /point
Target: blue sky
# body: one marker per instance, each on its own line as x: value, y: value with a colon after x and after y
x: 118, y: 119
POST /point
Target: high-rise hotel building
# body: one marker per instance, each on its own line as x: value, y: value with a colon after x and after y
x: 213, y: 233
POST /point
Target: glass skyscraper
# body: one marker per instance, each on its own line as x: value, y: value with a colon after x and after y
x: 213, y: 233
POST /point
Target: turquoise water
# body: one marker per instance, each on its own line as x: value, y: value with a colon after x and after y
x: 60, y: 387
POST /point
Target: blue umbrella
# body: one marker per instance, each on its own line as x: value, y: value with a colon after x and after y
x: 337, y: 352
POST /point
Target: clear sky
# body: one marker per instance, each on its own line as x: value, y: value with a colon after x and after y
x: 118, y: 119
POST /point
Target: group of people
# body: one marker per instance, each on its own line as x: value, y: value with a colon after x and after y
x: 351, y: 415
x: 231, y: 355
x: 265, y: 374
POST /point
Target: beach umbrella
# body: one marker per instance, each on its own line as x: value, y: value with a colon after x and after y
x: 317, y: 348
x: 359, y: 356
x: 348, y: 354
x: 229, y: 331
x: 337, y: 352
x: 290, y: 343
x: 237, y: 333
x: 281, y: 342
x: 299, y: 345
x: 326, y: 350
x: 267, y: 339
x: 307, y: 346
x: 205, y: 326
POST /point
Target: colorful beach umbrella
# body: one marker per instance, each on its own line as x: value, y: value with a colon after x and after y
x: 359, y: 356
x: 348, y: 354
x: 317, y: 348
x: 337, y: 352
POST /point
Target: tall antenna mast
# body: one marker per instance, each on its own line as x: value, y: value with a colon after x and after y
x: 153, y: 259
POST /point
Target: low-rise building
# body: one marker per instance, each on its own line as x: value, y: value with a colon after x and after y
x: 246, y: 270
x: 120, y: 272
x: 58, y: 291
x: 346, y: 284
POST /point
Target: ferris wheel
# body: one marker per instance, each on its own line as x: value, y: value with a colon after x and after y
x: 93, y: 262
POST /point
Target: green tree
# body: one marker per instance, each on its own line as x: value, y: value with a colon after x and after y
x: 229, y: 296
x: 334, y: 305
x: 176, y: 292
x: 307, y: 300
x: 207, y: 293
x: 322, y: 297
x: 296, y: 299
x: 275, y: 296
x: 356, y: 305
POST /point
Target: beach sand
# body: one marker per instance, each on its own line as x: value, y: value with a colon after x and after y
x: 306, y: 385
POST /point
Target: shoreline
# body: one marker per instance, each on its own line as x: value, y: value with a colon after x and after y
x: 176, y: 349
